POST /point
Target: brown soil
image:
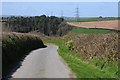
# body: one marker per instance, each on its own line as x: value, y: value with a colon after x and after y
x: 112, y: 24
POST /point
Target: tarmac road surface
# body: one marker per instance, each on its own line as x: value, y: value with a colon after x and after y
x: 43, y: 63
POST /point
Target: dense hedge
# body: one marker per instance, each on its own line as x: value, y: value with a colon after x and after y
x: 15, y: 46
x: 91, y: 46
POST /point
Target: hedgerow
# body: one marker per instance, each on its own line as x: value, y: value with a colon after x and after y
x: 15, y: 46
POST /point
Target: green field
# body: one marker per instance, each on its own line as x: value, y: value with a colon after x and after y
x: 89, y: 31
x: 92, y: 19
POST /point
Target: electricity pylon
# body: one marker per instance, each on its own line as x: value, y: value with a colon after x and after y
x: 77, y: 13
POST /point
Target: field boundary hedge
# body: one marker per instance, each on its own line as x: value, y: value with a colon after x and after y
x: 15, y: 46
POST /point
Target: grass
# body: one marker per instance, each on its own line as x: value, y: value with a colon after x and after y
x: 89, y: 31
x: 92, y: 19
x: 79, y: 67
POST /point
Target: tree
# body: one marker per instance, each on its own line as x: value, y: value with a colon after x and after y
x: 44, y: 24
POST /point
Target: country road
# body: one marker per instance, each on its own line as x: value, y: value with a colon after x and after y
x: 43, y: 63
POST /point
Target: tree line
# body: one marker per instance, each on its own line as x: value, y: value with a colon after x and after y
x: 48, y: 25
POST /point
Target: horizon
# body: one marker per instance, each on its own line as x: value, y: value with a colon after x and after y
x: 86, y: 9
x: 59, y: 16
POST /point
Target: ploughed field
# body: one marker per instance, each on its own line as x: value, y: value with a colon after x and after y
x: 111, y: 24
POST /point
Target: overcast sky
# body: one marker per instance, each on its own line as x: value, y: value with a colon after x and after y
x: 86, y: 9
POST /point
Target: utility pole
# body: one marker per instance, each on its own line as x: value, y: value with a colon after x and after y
x: 51, y: 13
x: 77, y: 13
x: 61, y: 13
x: 47, y: 14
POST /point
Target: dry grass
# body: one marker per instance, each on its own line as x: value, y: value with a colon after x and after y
x: 96, y: 45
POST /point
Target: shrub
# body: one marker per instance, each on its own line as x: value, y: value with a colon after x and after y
x: 69, y: 44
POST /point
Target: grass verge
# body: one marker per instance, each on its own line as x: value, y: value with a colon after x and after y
x: 84, y: 69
